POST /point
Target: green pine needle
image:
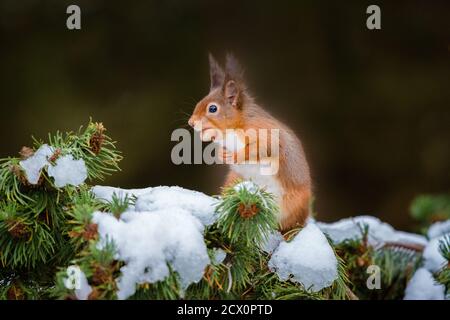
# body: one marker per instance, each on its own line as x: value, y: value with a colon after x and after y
x: 250, y: 230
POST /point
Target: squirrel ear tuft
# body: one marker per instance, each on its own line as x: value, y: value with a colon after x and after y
x: 231, y: 92
x: 233, y: 67
x: 216, y: 73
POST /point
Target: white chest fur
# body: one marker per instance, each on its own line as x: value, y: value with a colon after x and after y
x: 253, y: 172
x: 231, y: 141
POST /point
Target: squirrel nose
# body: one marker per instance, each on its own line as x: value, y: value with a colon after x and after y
x: 191, y: 122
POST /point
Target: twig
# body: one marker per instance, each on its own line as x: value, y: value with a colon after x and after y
x: 409, y: 246
x: 350, y: 293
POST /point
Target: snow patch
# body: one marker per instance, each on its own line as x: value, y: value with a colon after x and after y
x: 198, y: 204
x: 422, y: 286
x: 78, y: 281
x: 68, y: 171
x: 379, y: 232
x: 148, y: 241
x: 308, y: 258
x: 434, y: 261
x: 34, y: 164
x: 219, y: 256
x: 164, y: 227
x: 105, y: 193
x: 250, y: 186
x: 438, y: 229
x: 273, y: 241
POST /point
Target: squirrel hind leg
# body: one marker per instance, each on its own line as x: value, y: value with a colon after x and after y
x: 295, y: 208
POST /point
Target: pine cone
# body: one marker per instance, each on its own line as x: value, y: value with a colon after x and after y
x: 101, y: 275
x: 361, y: 262
x: 26, y: 152
x: 90, y: 232
x: 247, y: 211
x: 362, y: 248
x: 18, y: 172
x: 97, y: 138
x: 18, y: 230
x: 94, y: 295
x: 15, y: 293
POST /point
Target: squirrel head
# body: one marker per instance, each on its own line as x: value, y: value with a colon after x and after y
x: 222, y: 108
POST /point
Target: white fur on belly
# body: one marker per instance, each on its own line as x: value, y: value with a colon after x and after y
x: 252, y: 172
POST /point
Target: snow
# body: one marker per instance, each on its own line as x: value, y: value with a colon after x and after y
x: 379, y: 232
x: 85, y: 289
x: 308, y: 258
x: 34, y: 164
x: 196, y: 203
x: 106, y: 193
x: 433, y: 259
x: 407, y: 237
x: 422, y: 286
x: 218, y: 256
x: 68, y: 171
x: 438, y: 229
x: 273, y: 241
x: 253, y: 188
x: 148, y: 241
x: 77, y: 280
x: 248, y: 185
x: 164, y: 227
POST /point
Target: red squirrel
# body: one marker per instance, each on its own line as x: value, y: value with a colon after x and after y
x: 229, y: 105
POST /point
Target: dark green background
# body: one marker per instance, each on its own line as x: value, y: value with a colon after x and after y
x: 371, y: 107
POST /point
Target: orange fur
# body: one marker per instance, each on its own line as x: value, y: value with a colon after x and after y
x: 295, y: 206
x: 231, y: 178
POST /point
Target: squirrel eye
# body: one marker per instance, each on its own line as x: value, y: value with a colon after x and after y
x: 212, y: 108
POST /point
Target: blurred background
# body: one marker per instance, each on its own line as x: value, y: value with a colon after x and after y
x: 371, y: 107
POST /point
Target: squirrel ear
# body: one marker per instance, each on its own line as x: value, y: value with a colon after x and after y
x: 231, y: 92
x: 216, y: 73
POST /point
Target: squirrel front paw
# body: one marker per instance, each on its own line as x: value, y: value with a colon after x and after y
x: 226, y: 156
